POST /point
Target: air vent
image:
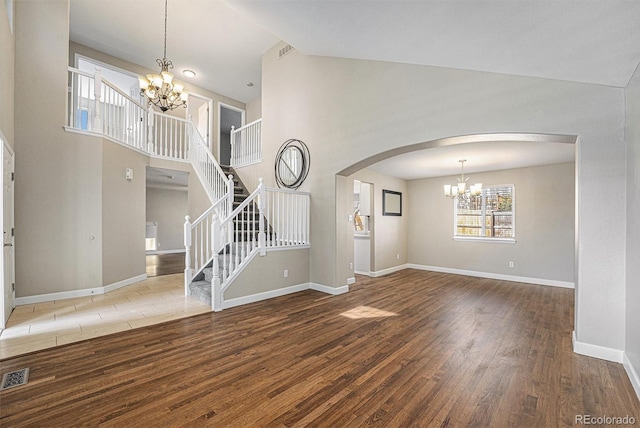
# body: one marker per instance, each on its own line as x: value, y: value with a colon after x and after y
x: 285, y: 50
x: 12, y: 379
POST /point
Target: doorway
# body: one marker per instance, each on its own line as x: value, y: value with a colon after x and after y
x: 8, y: 254
x: 228, y: 117
x: 199, y: 110
x: 167, y: 202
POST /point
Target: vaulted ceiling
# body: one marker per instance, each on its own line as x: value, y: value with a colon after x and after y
x: 590, y: 41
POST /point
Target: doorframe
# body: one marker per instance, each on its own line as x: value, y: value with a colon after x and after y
x: 4, y: 317
x: 243, y: 121
x: 209, y: 101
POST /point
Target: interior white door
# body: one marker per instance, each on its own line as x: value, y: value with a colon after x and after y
x: 8, y: 259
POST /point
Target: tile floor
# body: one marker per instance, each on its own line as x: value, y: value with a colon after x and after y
x: 48, y: 324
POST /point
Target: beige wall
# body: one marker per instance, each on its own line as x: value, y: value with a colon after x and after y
x: 7, y: 47
x: 168, y: 207
x: 58, y: 191
x: 633, y: 224
x: 254, y: 110
x: 267, y: 273
x: 123, y: 213
x: 544, y: 247
x: 355, y: 109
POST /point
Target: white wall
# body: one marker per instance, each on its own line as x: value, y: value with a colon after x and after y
x: 633, y: 226
x: 544, y: 247
x: 168, y: 208
x: 348, y: 110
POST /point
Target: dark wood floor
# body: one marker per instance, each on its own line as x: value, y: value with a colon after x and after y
x: 412, y: 349
x: 165, y: 264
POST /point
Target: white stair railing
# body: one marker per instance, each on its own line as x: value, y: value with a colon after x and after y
x: 267, y: 219
x: 207, y: 168
x: 169, y: 136
x: 246, y: 144
x: 198, y: 237
x: 97, y: 105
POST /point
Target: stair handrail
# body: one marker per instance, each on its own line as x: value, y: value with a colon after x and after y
x: 115, y: 113
x: 246, y: 144
x: 198, y: 245
x: 230, y: 244
x: 206, y: 167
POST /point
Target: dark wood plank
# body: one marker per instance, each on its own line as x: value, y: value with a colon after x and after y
x: 418, y: 349
x: 165, y: 264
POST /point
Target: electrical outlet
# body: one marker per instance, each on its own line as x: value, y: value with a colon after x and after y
x: 397, y: 256
x: 351, y: 265
x: 511, y: 264
x: 286, y: 273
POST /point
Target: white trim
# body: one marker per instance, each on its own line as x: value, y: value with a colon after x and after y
x: 596, y: 351
x: 490, y: 275
x: 244, y: 300
x: 238, y: 301
x: 483, y: 239
x: 288, y: 247
x: 329, y: 290
x: 361, y: 272
x: 351, y: 280
x: 49, y: 297
x: 153, y: 253
x: 632, y: 373
x: 388, y: 270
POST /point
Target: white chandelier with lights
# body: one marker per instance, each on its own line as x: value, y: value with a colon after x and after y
x: 161, y: 89
x: 459, y: 190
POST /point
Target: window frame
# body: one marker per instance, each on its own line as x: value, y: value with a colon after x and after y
x: 483, y: 238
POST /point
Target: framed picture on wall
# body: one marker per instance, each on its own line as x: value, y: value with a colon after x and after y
x: 391, y: 203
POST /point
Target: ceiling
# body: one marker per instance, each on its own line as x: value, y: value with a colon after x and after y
x: 161, y: 178
x: 590, y: 41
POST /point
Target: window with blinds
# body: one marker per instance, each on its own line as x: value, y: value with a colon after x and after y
x: 490, y: 215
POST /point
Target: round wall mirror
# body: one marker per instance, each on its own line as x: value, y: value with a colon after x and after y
x: 292, y: 164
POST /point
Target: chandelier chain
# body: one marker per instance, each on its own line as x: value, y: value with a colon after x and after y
x: 165, y: 29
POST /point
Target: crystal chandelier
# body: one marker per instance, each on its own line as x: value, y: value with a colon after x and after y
x: 459, y: 190
x: 160, y: 89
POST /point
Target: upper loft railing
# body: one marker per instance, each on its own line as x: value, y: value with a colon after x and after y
x: 97, y: 106
x: 246, y: 144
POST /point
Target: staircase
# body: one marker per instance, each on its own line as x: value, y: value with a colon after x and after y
x: 238, y: 225
x: 200, y: 287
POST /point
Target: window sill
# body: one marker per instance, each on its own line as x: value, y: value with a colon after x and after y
x: 482, y: 239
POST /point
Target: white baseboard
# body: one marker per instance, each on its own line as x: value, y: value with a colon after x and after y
x: 351, y: 280
x: 596, y: 351
x: 329, y: 290
x: 387, y: 271
x: 359, y: 272
x: 238, y: 301
x: 158, y: 252
x: 514, y: 278
x: 49, y: 297
x: 632, y: 373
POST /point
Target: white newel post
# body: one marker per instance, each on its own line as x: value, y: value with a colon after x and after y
x: 188, y: 271
x: 150, y: 144
x: 230, y: 199
x: 232, y: 141
x: 216, y: 283
x: 262, y: 237
x: 97, y: 94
